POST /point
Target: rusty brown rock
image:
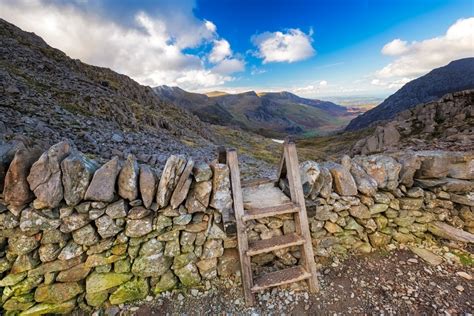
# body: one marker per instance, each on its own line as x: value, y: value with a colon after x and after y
x: 17, y: 190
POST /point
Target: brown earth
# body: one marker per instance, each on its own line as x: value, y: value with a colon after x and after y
x: 380, y: 283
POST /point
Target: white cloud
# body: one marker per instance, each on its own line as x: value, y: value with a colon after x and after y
x: 150, y: 49
x: 395, y: 47
x: 417, y: 58
x: 229, y: 66
x: 323, y: 83
x: 210, y: 26
x: 291, y: 46
x: 220, y: 50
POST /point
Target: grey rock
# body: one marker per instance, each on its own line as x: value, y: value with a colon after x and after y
x: 45, y: 176
x: 128, y: 179
x: 77, y: 171
x: 169, y: 179
x: 147, y: 181
x: 102, y: 186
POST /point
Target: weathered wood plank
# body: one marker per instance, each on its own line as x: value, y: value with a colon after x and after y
x: 301, y: 218
x: 274, y: 243
x: 246, y: 268
x: 254, y: 213
x: 281, y: 277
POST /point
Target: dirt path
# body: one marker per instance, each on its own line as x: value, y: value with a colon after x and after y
x: 391, y: 283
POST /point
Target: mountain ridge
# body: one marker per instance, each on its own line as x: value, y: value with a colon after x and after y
x: 272, y: 114
x: 458, y: 75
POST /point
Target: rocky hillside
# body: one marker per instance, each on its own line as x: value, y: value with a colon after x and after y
x: 47, y: 96
x: 444, y: 124
x: 269, y: 114
x: 456, y: 76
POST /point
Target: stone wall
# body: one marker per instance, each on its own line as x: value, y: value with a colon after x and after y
x: 73, y: 233
x: 76, y: 234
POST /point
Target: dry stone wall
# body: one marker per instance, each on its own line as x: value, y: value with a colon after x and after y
x: 75, y: 234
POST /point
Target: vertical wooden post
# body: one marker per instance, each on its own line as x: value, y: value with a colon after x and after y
x: 301, y: 218
x: 245, y: 266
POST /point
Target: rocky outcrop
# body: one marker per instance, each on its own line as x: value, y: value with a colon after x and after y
x: 456, y: 76
x: 444, y: 124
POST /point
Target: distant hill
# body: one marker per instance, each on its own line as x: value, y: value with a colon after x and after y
x: 456, y: 76
x: 273, y: 114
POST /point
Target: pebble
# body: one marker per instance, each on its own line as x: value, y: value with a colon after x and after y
x: 460, y: 288
x: 464, y: 275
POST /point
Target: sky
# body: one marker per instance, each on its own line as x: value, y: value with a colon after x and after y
x: 314, y: 48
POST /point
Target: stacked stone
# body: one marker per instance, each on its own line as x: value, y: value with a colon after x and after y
x: 370, y: 202
x: 73, y: 233
x: 376, y: 200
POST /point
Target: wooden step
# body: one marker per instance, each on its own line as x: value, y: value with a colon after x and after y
x: 255, y: 182
x: 280, y: 277
x: 255, y: 213
x: 275, y: 243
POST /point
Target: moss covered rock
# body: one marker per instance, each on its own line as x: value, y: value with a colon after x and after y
x: 58, y: 292
x: 97, y: 282
x: 167, y: 282
x: 133, y: 290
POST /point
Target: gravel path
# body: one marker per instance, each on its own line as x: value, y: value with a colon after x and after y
x: 381, y: 283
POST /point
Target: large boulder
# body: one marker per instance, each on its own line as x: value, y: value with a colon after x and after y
x: 128, y: 179
x: 45, y: 176
x: 343, y: 182
x: 147, y: 184
x: 16, y: 189
x: 102, y: 186
x: 172, y: 171
x: 77, y: 171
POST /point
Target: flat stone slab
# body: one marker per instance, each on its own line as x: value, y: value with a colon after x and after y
x: 427, y: 255
x: 264, y: 195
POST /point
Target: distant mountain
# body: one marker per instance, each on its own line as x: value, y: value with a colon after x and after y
x: 456, y: 76
x: 273, y: 114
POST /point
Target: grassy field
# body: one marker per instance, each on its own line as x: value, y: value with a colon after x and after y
x: 318, y: 148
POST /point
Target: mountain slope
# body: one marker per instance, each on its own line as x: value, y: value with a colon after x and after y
x: 456, y: 76
x: 273, y: 114
x: 48, y: 96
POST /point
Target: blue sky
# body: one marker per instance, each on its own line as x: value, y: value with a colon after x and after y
x: 312, y: 48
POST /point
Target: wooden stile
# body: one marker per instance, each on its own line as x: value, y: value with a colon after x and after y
x: 306, y: 270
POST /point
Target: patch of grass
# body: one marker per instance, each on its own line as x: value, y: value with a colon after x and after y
x: 466, y: 259
x: 322, y: 148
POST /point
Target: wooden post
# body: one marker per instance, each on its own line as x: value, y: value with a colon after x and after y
x: 245, y: 266
x: 301, y: 218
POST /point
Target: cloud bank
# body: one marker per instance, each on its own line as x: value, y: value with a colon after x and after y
x: 417, y: 58
x: 293, y: 45
x: 151, y: 49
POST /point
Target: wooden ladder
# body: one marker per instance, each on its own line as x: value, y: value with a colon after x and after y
x: 306, y: 270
